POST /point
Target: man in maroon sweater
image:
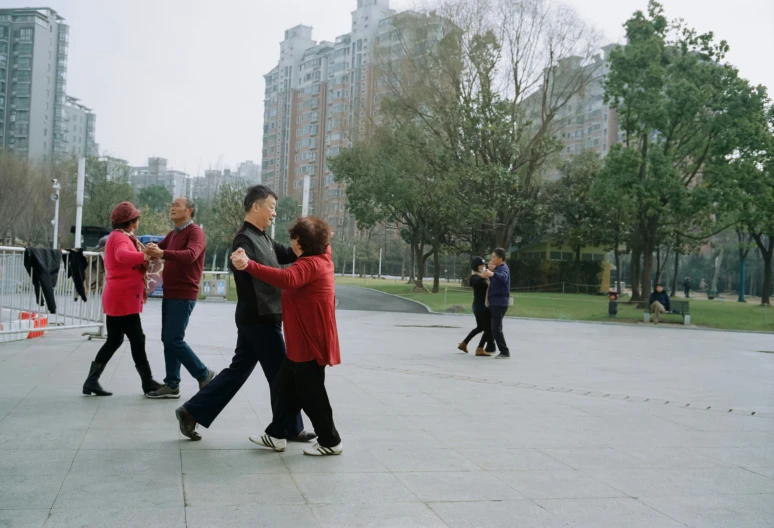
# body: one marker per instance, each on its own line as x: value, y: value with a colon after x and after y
x: 183, y: 253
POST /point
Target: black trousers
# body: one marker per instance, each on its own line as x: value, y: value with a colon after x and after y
x: 483, y: 324
x: 118, y: 327
x: 498, y: 313
x: 302, y: 386
x: 260, y: 343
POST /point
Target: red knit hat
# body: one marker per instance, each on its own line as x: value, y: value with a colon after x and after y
x: 124, y: 212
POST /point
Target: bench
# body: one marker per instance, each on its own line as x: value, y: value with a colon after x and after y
x: 678, y: 307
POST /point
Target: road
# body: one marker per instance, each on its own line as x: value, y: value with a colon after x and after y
x: 362, y: 299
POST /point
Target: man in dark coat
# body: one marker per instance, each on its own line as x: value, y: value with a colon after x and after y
x: 659, y: 302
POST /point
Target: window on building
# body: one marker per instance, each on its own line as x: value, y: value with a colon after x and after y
x: 25, y: 35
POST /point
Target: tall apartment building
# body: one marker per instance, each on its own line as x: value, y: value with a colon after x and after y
x: 318, y: 100
x: 80, y: 123
x: 157, y: 173
x: 37, y: 119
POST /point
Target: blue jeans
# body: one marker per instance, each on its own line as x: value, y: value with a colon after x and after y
x: 175, y: 314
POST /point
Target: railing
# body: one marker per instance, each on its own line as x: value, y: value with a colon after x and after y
x: 18, y: 301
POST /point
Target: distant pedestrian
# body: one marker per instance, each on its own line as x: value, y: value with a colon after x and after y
x: 659, y: 302
x: 309, y: 318
x: 183, y: 253
x: 702, y: 285
x: 481, y: 310
x: 258, y: 320
x: 687, y: 287
x: 122, y: 299
x: 499, y: 296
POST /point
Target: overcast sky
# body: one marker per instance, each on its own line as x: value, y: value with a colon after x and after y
x: 182, y: 79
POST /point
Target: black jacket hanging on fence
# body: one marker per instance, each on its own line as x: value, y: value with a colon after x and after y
x: 76, y: 265
x: 43, y: 266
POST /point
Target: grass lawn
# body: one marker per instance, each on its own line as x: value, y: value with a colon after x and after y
x: 728, y: 314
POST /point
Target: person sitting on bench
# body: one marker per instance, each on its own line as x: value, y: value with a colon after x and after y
x: 659, y: 302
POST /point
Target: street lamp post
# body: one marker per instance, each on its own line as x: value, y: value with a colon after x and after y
x: 55, y: 197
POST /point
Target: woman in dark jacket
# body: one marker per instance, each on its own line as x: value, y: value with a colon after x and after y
x: 480, y: 287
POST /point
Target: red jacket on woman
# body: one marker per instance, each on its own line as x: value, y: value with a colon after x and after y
x: 308, y: 307
x: 124, y: 276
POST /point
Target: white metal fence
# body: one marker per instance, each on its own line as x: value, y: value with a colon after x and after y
x: 18, y: 300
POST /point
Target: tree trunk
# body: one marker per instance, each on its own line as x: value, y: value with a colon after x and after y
x: 677, y: 267
x: 577, y: 268
x: 647, y: 269
x: 413, y: 253
x: 617, y: 256
x: 420, y: 266
x: 436, y: 271
x: 767, y: 252
x: 718, y: 263
x: 636, y: 270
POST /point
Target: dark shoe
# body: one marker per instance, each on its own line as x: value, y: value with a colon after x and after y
x: 164, y: 392
x: 210, y: 376
x: 148, y: 383
x: 187, y: 424
x: 303, y: 437
x: 92, y: 385
x: 503, y: 356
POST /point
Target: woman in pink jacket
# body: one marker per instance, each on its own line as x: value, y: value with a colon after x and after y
x: 122, y: 299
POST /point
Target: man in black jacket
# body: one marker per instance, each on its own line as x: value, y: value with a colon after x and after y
x: 258, y: 320
x: 659, y: 302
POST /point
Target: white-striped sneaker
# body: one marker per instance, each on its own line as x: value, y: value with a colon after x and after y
x: 277, y: 444
x: 318, y: 450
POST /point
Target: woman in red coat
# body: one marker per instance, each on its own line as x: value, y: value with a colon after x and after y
x: 309, y: 320
x: 122, y: 299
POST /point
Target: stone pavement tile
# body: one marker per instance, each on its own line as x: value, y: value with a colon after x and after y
x: 100, y: 490
x: 140, y: 437
x: 731, y: 511
x: 608, y: 513
x: 732, y: 481
x: 742, y: 456
x: 766, y: 471
x: 556, y: 484
x: 204, y: 462
x: 504, y: 459
x: 118, y: 462
x: 596, y: 458
x: 355, y: 459
x: 372, y: 423
x: 36, y: 462
x: 6, y: 404
x: 130, y: 516
x: 403, y: 460
x: 40, y: 437
x: 399, y: 439
x: 651, y: 482
x: 496, y: 514
x: 702, y: 420
x: 672, y: 457
x: 729, y: 439
x: 352, y: 488
x: 405, y: 515
x: 23, y: 518
x: 457, y: 486
x: 42, y: 419
x: 29, y: 492
x: 251, y: 516
x: 239, y: 489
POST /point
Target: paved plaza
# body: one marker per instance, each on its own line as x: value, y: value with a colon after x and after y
x: 587, y: 426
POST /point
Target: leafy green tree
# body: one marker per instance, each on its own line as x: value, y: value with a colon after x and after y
x: 678, y: 103
x: 156, y: 197
x: 101, y: 194
x: 154, y: 222
x: 224, y: 217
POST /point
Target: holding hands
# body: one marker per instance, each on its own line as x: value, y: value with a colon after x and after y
x: 153, y: 251
x: 239, y: 259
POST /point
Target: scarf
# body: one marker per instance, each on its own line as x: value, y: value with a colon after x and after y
x: 142, y: 267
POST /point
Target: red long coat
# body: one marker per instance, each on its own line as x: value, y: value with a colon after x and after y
x: 124, y: 276
x: 308, y: 307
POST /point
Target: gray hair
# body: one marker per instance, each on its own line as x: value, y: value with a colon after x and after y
x: 189, y: 204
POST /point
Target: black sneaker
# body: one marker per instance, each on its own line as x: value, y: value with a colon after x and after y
x: 503, y: 356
